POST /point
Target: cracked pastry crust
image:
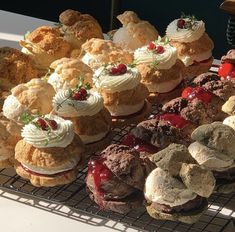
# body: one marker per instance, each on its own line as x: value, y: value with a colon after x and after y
x: 44, y: 45
x: 15, y: 68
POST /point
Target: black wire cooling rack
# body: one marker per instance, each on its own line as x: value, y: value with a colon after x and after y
x: 220, y: 215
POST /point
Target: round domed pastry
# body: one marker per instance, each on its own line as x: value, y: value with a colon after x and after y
x: 161, y: 70
x: 99, y: 52
x: 66, y: 73
x: 78, y: 28
x: 9, y: 136
x: 85, y: 108
x: 193, y: 44
x: 44, y: 45
x: 124, y: 95
x: 135, y: 32
x: 33, y: 97
x: 49, y: 153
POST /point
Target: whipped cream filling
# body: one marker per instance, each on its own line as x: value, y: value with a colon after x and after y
x: 12, y: 108
x: 230, y: 121
x: 91, y: 61
x: 185, y: 35
x: 189, y: 60
x: 68, y: 165
x: 116, y: 83
x: 210, y: 158
x: 57, y: 82
x: 124, y: 110
x: 86, y: 139
x: 163, y: 60
x: 61, y: 137
x: 162, y: 188
x: 66, y: 107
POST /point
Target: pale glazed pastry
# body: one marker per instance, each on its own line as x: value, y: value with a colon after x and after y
x: 214, y: 149
x: 134, y: 33
x: 44, y: 45
x: 121, y: 89
x: 77, y: 28
x: 161, y: 70
x: 49, y: 153
x: 229, y: 106
x: 85, y: 108
x: 193, y: 45
x: 68, y: 72
x: 99, y: 52
x: 33, y: 97
x: 9, y: 136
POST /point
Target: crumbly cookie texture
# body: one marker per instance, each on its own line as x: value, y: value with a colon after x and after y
x: 229, y: 106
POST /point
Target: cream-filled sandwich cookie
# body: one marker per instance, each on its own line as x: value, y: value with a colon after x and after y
x: 49, y: 153
x: 193, y: 45
x: 124, y: 95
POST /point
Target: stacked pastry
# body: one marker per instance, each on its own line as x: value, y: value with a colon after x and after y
x: 49, y: 153
x: 161, y: 71
x: 85, y: 108
x: 115, y: 178
x: 177, y: 189
x: 134, y: 33
x: 193, y: 44
x: 66, y: 73
x: 124, y: 95
x: 214, y: 149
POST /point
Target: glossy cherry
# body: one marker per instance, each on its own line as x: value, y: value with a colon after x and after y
x: 53, y: 124
x: 181, y: 23
x: 151, y: 46
x: 118, y: 70
x: 83, y: 92
x: 160, y: 49
x: 226, y: 70
x: 45, y: 124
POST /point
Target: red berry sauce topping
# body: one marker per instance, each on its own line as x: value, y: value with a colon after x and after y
x: 226, y: 70
x: 156, y: 48
x: 118, y: 70
x: 174, y: 120
x: 46, y: 124
x: 138, y: 144
x: 100, y: 173
x: 181, y: 23
x: 200, y: 93
x: 80, y: 95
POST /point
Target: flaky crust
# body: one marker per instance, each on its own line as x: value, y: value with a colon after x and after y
x: 35, y: 95
x: 92, y: 125
x: 48, y: 157
x: 127, y: 97
x: 107, y: 51
x: 82, y: 26
x: 15, y: 67
x: 203, y: 44
x: 40, y: 181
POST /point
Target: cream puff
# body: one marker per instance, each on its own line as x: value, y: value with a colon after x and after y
x: 77, y: 28
x: 99, y: 52
x: 161, y: 70
x: 66, y: 73
x: 34, y: 97
x: 44, y: 45
x: 124, y: 95
x: 134, y: 33
x: 193, y: 44
x: 85, y: 108
x: 49, y: 153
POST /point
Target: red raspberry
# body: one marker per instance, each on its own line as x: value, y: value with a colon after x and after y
x: 181, y: 23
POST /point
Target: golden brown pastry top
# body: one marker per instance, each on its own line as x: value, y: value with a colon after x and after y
x: 107, y: 51
x: 15, y: 67
x: 82, y: 26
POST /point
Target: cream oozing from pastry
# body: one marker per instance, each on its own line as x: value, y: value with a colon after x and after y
x: 164, y: 60
x: 86, y: 139
x: 60, y: 137
x: 91, y: 61
x: 124, y: 110
x: 185, y: 35
x: 189, y: 60
x: 66, y: 107
x: 116, y: 83
x: 12, y: 108
x: 68, y: 165
x: 230, y: 121
x: 162, y: 188
x: 57, y: 82
x: 209, y: 158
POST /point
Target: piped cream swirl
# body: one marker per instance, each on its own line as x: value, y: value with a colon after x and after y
x: 61, y: 137
x: 116, y: 83
x: 64, y: 106
x: 163, y: 60
x: 185, y: 35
